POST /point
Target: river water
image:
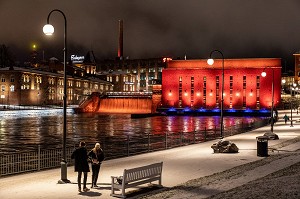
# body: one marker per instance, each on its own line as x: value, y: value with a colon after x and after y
x: 24, y: 130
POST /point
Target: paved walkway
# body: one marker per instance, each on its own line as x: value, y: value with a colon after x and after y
x: 180, y: 165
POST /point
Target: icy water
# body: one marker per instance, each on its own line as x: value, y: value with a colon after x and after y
x: 23, y: 130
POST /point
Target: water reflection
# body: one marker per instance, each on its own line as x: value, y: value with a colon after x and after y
x: 24, y: 130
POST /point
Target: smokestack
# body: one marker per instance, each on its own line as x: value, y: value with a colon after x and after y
x: 120, y: 48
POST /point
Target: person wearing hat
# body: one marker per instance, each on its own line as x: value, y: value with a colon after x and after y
x: 81, y: 164
x: 97, y: 156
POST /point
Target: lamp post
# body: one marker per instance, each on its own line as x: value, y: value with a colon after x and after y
x: 271, y: 135
x: 48, y: 29
x: 210, y: 61
x: 291, y: 101
x: 264, y: 74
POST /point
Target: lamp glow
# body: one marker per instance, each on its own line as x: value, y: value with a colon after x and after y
x: 263, y: 74
x: 210, y: 61
x: 48, y: 29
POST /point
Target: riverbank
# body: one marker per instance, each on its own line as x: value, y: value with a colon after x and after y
x: 185, y: 170
x: 277, y: 176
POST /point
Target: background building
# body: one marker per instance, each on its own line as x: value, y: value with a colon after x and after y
x: 195, y: 84
x: 34, y: 86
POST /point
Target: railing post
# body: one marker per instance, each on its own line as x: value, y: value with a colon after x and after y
x: 205, y: 134
x: 194, y: 136
x: 39, y: 157
x: 181, y: 133
x: 166, y: 139
x: 148, y: 142
x: 216, y: 131
x: 127, y: 145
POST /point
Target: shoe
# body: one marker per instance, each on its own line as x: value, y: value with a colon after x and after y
x: 85, y: 189
x: 79, y: 189
x: 96, y: 185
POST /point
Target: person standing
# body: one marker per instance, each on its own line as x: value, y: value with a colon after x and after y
x: 97, y: 156
x: 286, y: 118
x: 81, y: 165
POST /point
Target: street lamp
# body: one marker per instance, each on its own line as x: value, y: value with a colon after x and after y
x: 210, y: 61
x: 291, y: 101
x: 271, y: 135
x: 48, y: 29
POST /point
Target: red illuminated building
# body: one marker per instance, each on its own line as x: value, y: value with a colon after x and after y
x: 195, y: 84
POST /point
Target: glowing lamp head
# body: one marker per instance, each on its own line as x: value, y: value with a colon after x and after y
x: 283, y: 81
x: 48, y: 29
x: 210, y: 61
x: 263, y: 74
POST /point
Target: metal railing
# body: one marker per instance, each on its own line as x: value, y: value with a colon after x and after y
x: 116, y: 147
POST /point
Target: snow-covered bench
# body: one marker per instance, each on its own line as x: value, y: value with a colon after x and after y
x: 136, y: 176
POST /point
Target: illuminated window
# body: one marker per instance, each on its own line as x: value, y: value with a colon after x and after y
x: 204, y: 91
x: 192, y: 90
x: 230, y: 90
x: 12, y: 88
x: 257, y: 91
x: 217, y: 90
x: 180, y: 91
x: 244, y: 91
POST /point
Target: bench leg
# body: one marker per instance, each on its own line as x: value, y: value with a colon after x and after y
x: 123, y: 192
x: 112, y: 186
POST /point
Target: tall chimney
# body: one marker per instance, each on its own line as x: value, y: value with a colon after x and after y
x: 120, y: 47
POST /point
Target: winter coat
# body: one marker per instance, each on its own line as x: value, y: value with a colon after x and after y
x: 99, y: 156
x: 81, y: 160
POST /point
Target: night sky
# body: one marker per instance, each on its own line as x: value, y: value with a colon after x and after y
x: 155, y: 28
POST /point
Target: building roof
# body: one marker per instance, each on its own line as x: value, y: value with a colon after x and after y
x: 228, y: 63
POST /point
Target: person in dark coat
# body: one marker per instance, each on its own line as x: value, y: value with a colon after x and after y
x: 97, y: 156
x: 81, y: 165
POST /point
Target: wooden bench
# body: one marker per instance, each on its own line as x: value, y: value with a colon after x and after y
x: 136, y: 176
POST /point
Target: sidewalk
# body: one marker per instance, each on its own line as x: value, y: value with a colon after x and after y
x: 179, y: 166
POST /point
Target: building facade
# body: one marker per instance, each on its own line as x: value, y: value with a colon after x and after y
x: 195, y: 84
x: 31, y: 86
x: 133, y: 75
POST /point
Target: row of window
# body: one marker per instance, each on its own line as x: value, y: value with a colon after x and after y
x: 217, y: 91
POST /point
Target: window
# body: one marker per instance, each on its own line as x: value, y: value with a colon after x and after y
x: 204, y: 91
x: 12, y: 78
x: 180, y: 91
x: 217, y: 90
x: 12, y: 88
x: 2, y: 79
x: 192, y: 90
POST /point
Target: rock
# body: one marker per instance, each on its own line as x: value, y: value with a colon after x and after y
x: 224, y: 146
x: 271, y: 136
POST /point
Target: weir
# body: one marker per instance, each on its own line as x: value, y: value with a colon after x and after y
x: 118, y: 102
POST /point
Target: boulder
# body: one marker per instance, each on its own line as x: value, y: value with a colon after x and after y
x: 224, y: 146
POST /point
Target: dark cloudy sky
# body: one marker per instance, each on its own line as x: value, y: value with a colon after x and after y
x: 155, y: 28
